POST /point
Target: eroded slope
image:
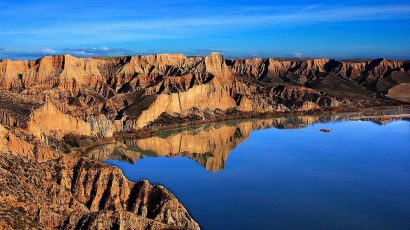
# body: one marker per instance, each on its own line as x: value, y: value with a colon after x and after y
x: 132, y: 93
x: 43, y: 189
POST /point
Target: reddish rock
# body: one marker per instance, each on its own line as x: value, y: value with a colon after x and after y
x: 44, y: 102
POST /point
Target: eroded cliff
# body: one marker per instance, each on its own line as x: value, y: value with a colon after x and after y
x: 132, y: 93
x: 49, y: 105
x: 42, y: 189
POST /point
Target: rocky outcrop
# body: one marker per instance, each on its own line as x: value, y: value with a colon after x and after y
x: 78, y: 193
x: 132, y: 93
x: 400, y: 92
x: 20, y: 143
x: 48, y: 104
x: 16, y: 109
x: 43, y: 189
x: 201, y: 97
x: 50, y: 121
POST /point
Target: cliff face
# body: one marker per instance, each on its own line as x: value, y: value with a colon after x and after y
x: 130, y: 93
x: 42, y: 189
x: 44, y: 102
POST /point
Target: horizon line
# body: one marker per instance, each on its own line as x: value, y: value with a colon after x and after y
x: 228, y: 57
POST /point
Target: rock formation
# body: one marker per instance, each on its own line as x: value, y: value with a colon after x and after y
x: 400, y: 92
x: 42, y: 189
x: 52, y: 104
x: 132, y: 93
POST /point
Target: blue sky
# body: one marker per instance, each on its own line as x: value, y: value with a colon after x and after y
x: 237, y: 28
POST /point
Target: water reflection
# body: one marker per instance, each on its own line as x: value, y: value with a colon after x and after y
x: 211, y: 144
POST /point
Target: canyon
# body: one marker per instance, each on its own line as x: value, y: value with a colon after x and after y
x: 54, y: 104
x: 56, y: 95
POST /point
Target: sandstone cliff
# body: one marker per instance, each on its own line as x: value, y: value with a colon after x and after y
x: 132, y: 93
x: 42, y: 189
x: 44, y: 103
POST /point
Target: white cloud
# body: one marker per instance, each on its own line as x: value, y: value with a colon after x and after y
x: 80, y: 53
x: 6, y: 53
x: 298, y: 55
x: 102, y: 49
x: 48, y: 51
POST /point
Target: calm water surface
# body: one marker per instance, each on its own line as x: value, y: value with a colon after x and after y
x: 279, y: 174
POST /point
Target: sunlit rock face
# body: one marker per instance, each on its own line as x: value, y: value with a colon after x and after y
x: 50, y: 105
x: 42, y: 189
x: 400, y: 92
x: 99, y: 97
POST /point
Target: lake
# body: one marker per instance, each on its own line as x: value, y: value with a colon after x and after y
x: 280, y: 173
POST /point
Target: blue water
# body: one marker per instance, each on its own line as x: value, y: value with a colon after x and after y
x: 355, y: 177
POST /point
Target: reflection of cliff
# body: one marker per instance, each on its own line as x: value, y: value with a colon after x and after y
x: 208, y: 145
x: 211, y: 144
x: 114, y: 151
x: 383, y: 119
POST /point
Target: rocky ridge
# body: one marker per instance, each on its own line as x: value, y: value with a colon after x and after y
x: 50, y: 104
x: 99, y: 97
x: 42, y: 189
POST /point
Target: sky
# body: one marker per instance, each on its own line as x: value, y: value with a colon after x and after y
x: 237, y: 28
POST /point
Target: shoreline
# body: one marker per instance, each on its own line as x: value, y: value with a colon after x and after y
x: 151, y: 131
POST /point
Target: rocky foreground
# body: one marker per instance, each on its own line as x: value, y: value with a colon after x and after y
x: 50, y: 105
x: 42, y: 189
